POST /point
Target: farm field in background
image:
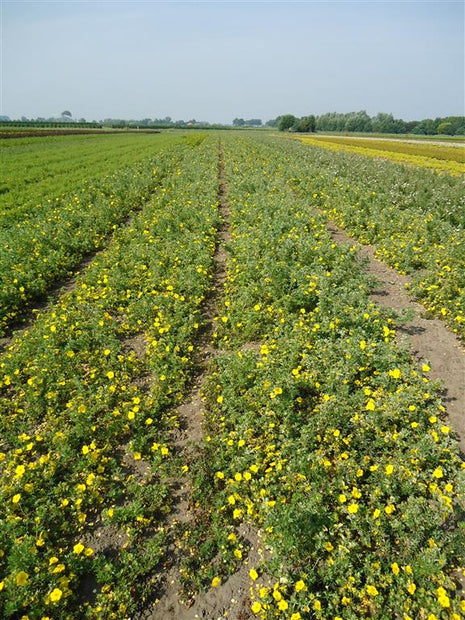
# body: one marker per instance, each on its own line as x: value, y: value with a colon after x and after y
x: 46, y: 168
x: 324, y: 474
x: 450, y: 159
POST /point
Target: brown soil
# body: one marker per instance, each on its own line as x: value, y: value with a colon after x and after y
x: 428, y: 339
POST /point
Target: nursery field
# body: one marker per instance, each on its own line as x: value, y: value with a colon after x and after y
x: 211, y: 416
x: 441, y: 157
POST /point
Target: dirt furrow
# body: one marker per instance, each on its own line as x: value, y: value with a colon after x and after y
x: 428, y: 339
x: 169, y: 604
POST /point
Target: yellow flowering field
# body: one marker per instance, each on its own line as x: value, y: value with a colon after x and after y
x: 41, y: 241
x: 322, y: 433
x: 441, y: 158
x: 84, y: 434
x: 324, y: 442
x: 415, y: 218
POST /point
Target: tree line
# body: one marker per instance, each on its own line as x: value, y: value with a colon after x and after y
x: 361, y: 122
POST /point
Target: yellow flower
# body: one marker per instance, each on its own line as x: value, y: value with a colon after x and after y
x: 21, y: 578
x: 411, y: 588
x: 317, y: 605
x: 216, y: 582
x: 396, y: 374
x: 283, y: 605
x: 253, y: 574
x: 296, y: 616
x: 329, y: 546
x: 370, y: 405
x: 395, y: 568
x: 352, y: 508
x: 390, y: 508
x: 110, y: 374
x: 300, y: 586
x: 437, y: 473
x: 425, y: 368
x: 16, y: 498
x: 55, y: 595
x: 372, y: 591
x: 443, y: 599
x: 388, y: 470
x: 256, y: 607
x: 78, y: 548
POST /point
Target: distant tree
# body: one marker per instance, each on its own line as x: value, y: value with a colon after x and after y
x: 306, y: 124
x: 238, y: 122
x: 446, y: 128
x: 82, y: 120
x: 410, y: 126
x: 67, y: 114
x: 286, y: 122
x: 273, y: 122
x: 425, y: 127
x: 253, y: 122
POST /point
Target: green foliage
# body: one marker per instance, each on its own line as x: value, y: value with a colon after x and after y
x: 286, y: 122
x: 85, y: 418
x: 324, y: 438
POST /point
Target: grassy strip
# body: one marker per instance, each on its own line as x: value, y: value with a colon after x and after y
x: 86, y: 421
x: 415, y: 218
x: 35, y: 171
x: 39, y: 251
x: 452, y: 165
x: 321, y: 432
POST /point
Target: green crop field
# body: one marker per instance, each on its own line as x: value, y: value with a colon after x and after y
x: 176, y: 318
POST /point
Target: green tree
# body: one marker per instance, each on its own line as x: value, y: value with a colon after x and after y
x: 286, y: 122
x: 306, y: 124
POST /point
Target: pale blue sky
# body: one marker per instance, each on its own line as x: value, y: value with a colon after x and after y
x: 218, y: 60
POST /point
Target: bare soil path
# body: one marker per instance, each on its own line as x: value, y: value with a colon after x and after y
x: 428, y: 339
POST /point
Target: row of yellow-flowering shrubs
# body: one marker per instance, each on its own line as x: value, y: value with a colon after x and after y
x: 322, y: 435
x: 38, y: 250
x: 87, y: 398
x: 39, y: 169
x: 415, y: 218
x: 444, y: 159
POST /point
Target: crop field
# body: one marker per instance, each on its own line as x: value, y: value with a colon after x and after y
x: 204, y: 411
x: 449, y: 159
